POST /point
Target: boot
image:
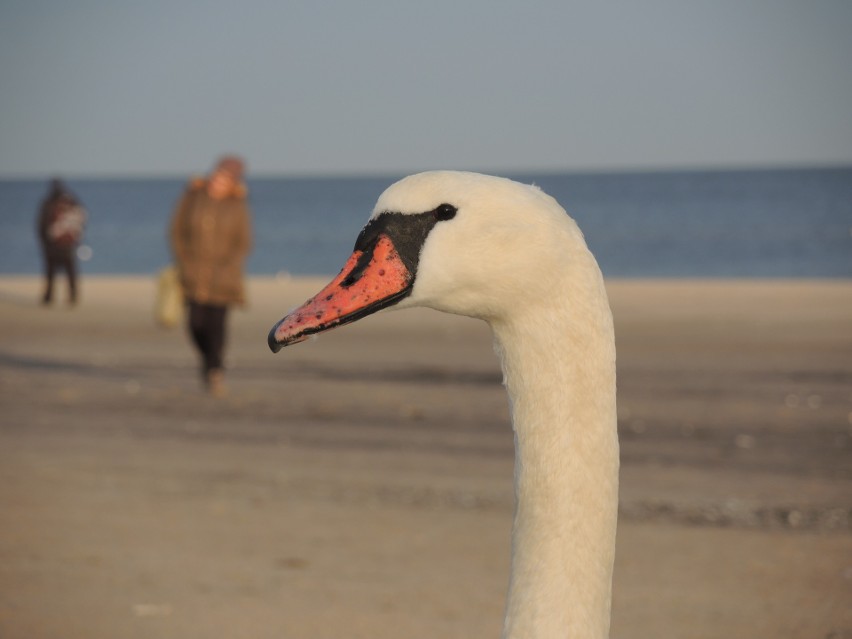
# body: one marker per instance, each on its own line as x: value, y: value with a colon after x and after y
x: 216, y: 382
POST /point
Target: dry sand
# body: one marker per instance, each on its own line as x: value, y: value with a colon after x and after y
x: 359, y: 485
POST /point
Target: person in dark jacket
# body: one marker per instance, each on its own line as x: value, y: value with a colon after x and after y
x: 61, y: 221
x: 210, y: 239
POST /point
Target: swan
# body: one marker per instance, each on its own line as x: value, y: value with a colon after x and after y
x: 507, y: 253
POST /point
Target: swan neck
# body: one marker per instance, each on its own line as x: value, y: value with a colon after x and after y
x: 559, y: 370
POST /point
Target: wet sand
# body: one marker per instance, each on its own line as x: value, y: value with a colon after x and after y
x: 359, y: 485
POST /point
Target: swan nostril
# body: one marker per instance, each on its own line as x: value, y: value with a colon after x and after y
x: 359, y: 268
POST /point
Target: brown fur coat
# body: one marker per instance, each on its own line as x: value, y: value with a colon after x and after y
x: 210, y: 241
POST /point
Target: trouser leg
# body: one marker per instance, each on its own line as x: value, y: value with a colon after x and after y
x: 71, y: 270
x: 49, y: 272
x: 196, y: 325
x: 216, y: 318
x: 207, y: 325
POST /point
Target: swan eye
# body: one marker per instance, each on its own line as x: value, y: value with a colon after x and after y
x: 445, y: 212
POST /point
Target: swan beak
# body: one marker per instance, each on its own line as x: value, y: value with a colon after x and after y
x: 371, y: 280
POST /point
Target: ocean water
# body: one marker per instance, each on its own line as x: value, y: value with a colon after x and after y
x: 750, y: 223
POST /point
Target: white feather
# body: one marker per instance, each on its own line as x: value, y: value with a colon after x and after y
x: 514, y: 258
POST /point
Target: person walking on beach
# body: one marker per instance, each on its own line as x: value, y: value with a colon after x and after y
x: 60, y: 228
x: 210, y: 239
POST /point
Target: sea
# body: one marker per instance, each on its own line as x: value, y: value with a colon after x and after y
x: 773, y: 223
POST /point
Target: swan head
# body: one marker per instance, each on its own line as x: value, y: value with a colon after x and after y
x: 458, y: 242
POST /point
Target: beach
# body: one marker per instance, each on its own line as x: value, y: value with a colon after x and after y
x: 360, y: 484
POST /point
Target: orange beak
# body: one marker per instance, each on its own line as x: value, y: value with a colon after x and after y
x: 371, y: 280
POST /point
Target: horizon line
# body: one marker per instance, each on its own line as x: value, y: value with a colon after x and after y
x: 625, y: 169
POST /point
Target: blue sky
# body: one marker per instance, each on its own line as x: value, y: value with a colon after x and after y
x: 111, y: 87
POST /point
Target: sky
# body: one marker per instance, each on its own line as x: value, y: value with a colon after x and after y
x: 162, y: 87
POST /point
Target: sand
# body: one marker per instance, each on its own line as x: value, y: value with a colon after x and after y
x: 359, y: 485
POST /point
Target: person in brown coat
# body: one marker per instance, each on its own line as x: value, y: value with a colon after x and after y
x: 210, y: 239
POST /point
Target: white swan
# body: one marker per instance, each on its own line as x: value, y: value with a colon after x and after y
x: 505, y: 252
